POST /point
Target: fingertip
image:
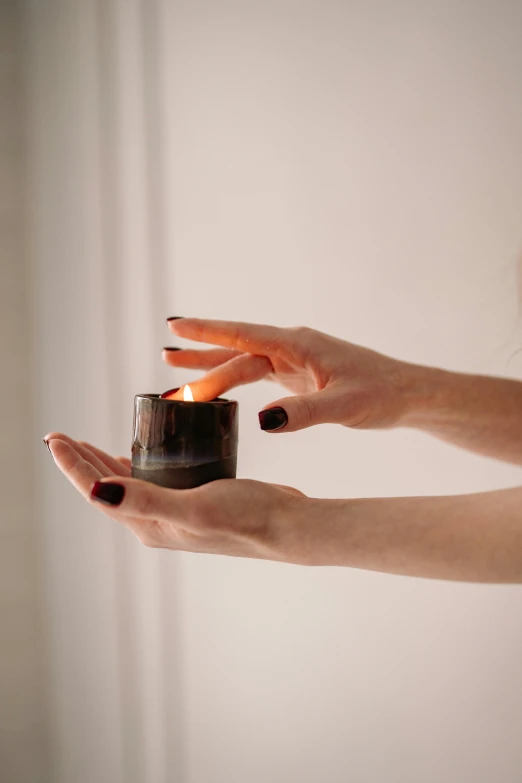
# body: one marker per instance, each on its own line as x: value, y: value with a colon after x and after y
x: 55, y: 445
x: 169, y: 355
x: 108, y: 492
x: 170, y: 394
x: 136, y: 497
x: 61, y: 450
x: 54, y: 435
x: 174, y: 321
x: 273, y: 419
x: 60, y: 444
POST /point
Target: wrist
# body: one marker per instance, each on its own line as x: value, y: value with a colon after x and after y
x: 426, y: 392
x: 315, y: 530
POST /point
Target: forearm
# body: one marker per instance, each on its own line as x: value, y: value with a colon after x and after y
x: 477, y: 412
x: 470, y: 538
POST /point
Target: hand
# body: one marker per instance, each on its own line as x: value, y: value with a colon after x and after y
x: 231, y: 517
x: 467, y: 537
x: 335, y: 381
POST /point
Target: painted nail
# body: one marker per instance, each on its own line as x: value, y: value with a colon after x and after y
x: 47, y: 444
x: 110, y: 494
x: 171, y: 348
x: 273, y: 419
x: 169, y: 392
x: 175, y: 318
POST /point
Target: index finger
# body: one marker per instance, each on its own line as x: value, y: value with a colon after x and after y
x: 248, y: 338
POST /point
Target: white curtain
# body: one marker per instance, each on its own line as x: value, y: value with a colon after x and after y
x: 22, y: 670
x: 342, y: 165
x: 99, y: 286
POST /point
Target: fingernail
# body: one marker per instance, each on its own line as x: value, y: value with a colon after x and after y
x: 171, y: 348
x: 273, y: 419
x: 110, y: 494
x: 169, y: 392
x: 175, y: 318
x: 47, y: 444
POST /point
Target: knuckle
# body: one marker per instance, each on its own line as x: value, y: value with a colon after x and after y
x: 303, y: 340
x: 302, y: 331
x: 307, y: 409
x: 76, y: 465
x: 145, y: 503
x: 235, y: 338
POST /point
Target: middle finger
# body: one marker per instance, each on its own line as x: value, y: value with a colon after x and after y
x: 198, y: 360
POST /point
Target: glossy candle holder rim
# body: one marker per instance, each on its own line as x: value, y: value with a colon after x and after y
x: 159, y: 398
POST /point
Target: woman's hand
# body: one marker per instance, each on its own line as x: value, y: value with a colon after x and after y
x: 231, y: 517
x: 475, y: 538
x: 333, y: 380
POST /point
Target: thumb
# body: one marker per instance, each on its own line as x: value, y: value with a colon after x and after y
x: 295, y: 413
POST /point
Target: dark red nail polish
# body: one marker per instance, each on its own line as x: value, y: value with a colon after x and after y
x: 169, y: 392
x: 47, y: 444
x: 171, y: 348
x: 273, y: 419
x: 175, y: 318
x: 110, y: 494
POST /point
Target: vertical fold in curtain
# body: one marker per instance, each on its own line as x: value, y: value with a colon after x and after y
x: 96, y: 219
x: 22, y: 686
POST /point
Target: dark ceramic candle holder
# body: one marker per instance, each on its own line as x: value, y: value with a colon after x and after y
x: 180, y: 444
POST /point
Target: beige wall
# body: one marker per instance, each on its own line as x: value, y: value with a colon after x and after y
x: 354, y: 167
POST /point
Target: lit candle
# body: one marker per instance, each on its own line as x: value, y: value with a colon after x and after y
x: 182, y: 443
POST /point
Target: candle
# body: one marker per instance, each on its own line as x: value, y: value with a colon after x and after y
x: 182, y: 443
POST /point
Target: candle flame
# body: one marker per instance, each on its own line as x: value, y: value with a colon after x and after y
x: 187, y: 394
